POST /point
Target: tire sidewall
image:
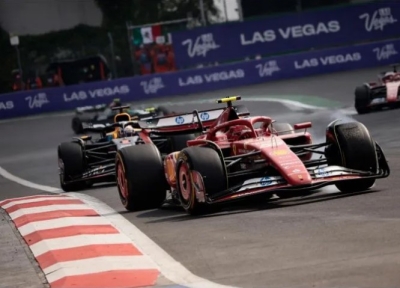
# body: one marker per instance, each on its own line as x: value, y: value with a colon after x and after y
x: 362, y: 98
x: 68, y: 166
x: 119, y: 164
x: 183, y: 162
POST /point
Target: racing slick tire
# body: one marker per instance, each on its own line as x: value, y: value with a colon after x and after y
x: 362, y: 99
x: 176, y: 143
x: 140, y: 177
x: 179, y: 142
x: 283, y: 128
x: 71, y: 163
x: 77, y: 126
x: 209, y: 165
x: 352, y: 148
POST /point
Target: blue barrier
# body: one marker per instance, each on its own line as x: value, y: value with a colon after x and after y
x: 294, y: 32
x: 200, y: 80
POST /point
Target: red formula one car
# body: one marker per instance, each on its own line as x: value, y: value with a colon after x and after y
x: 377, y: 95
x: 241, y: 156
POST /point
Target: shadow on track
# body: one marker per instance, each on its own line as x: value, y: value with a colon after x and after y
x: 176, y: 214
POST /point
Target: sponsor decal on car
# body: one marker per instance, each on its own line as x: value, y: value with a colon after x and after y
x: 265, y: 181
x: 322, y: 173
x: 179, y: 120
x: 204, y: 116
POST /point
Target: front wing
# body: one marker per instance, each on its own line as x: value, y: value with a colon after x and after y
x: 96, y: 174
x: 321, y: 176
x: 382, y: 101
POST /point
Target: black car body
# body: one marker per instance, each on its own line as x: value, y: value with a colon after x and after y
x: 103, y: 114
x: 85, y: 161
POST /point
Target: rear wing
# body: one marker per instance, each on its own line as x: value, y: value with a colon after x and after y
x: 108, y: 127
x: 89, y: 109
x: 189, y: 122
x: 98, y: 128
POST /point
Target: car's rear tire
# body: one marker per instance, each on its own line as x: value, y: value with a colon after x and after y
x: 352, y: 147
x: 179, y: 142
x: 77, y: 126
x: 71, y: 163
x: 176, y: 143
x: 140, y: 177
x: 208, y: 164
x: 362, y: 99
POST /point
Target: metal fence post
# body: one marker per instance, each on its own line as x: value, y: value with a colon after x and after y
x: 114, y: 68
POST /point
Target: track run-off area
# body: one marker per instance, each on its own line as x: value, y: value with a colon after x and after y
x: 328, y: 239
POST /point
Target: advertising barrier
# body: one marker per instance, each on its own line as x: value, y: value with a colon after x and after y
x: 201, y: 80
x: 295, y: 32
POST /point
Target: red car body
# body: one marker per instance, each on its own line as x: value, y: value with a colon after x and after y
x: 256, y: 158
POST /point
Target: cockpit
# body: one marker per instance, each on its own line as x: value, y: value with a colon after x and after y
x: 242, y: 128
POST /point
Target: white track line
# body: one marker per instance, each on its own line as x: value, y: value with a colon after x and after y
x: 26, y: 183
x: 169, y: 267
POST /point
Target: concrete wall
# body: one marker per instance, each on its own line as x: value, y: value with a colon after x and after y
x: 23, y: 17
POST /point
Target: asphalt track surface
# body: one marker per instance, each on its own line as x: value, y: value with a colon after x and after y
x: 328, y: 239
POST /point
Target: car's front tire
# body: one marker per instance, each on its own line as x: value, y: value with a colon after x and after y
x: 351, y: 146
x: 199, y: 167
x: 362, y: 99
x: 71, y: 163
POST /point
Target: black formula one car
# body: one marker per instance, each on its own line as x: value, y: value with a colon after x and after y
x: 103, y: 114
x: 377, y: 95
x: 85, y: 161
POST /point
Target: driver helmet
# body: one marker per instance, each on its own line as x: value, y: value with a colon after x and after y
x: 128, y: 131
